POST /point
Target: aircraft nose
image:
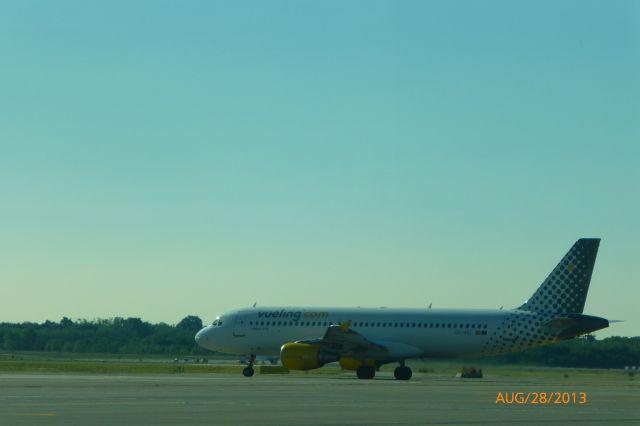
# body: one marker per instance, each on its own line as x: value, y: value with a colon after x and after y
x: 200, y: 336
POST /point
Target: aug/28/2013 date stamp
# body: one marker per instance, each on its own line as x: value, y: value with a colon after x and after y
x: 541, y: 398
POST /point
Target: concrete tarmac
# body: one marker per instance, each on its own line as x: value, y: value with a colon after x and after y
x: 296, y: 399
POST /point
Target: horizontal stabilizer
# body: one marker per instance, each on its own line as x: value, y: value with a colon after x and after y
x: 575, y: 324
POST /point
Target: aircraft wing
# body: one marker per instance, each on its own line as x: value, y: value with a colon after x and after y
x: 349, y: 343
x: 341, y: 338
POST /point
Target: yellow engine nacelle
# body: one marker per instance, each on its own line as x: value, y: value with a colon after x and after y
x: 304, y: 356
x: 353, y: 364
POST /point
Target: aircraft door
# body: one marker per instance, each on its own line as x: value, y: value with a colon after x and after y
x: 238, y: 326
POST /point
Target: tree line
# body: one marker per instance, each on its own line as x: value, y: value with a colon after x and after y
x: 135, y: 336
x: 584, y: 352
x: 110, y: 336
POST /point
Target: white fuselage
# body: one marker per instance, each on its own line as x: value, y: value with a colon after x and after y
x: 433, y: 332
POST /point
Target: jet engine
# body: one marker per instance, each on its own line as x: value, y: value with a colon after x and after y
x: 305, y: 356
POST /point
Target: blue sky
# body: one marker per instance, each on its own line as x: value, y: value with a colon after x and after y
x: 160, y: 159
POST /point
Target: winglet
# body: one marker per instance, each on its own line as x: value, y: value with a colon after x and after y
x: 345, y: 326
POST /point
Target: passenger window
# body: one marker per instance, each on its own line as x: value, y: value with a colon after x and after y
x: 485, y: 326
x: 448, y: 325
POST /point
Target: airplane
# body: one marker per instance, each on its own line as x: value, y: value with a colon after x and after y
x: 363, y: 339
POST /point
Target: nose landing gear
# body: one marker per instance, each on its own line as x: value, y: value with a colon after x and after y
x: 248, y: 370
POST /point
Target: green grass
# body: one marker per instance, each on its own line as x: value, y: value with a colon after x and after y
x: 104, y: 364
x: 56, y: 366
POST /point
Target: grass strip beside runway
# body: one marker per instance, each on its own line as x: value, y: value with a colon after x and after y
x: 112, y: 367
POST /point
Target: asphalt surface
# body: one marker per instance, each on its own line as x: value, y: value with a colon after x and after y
x: 310, y: 400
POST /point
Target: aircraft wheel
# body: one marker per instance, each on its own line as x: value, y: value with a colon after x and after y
x: 247, y: 371
x: 365, y: 372
x: 402, y: 373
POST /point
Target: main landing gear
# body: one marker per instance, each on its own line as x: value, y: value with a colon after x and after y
x: 400, y: 373
x: 248, y: 370
x: 365, y: 372
x: 403, y: 372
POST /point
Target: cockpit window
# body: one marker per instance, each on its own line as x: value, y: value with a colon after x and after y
x: 217, y: 322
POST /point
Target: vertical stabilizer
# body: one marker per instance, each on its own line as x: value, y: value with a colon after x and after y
x: 565, y: 289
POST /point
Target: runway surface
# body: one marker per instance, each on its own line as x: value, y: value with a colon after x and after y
x: 309, y: 400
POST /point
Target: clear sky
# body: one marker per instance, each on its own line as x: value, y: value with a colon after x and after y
x: 160, y: 158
